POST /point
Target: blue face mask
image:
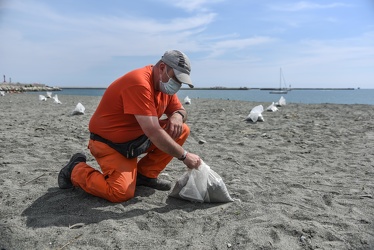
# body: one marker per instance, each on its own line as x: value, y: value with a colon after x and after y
x: 170, y: 87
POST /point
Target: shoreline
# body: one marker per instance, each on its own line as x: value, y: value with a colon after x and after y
x: 35, y: 87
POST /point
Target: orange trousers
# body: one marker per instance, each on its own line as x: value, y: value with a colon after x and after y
x: 117, y: 181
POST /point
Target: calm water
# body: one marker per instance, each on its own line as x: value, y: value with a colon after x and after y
x: 357, y: 96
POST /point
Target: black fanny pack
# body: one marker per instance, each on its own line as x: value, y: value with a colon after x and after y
x: 130, y: 149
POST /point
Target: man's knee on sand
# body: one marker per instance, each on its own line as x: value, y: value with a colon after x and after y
x: 121, y: 194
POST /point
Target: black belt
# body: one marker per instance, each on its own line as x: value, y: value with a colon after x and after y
x: 129, y: 149
x: 96, y: 137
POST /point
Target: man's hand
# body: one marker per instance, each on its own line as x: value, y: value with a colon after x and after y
x: 174, y: 125
x: 192, y: 161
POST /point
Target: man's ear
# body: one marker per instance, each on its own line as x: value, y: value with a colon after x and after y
x: 162, y: 66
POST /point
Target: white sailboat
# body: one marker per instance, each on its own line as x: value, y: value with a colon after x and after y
x: 282, y: 89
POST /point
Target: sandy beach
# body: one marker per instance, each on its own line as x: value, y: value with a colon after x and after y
x: 302, y: 179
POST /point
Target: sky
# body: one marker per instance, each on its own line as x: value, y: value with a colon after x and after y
x: 230, y: 43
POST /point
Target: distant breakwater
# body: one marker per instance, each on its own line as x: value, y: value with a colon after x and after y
x: 19, y: 87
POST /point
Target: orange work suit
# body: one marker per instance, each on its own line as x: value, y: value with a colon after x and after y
x: 117, y: 181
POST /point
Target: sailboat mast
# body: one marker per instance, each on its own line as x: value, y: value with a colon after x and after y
x: 280, y: 90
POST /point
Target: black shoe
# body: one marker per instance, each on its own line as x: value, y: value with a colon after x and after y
x: 64, y: 177
x: 155, y: 183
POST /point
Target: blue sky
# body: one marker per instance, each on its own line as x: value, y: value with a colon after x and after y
x: 231, y: 43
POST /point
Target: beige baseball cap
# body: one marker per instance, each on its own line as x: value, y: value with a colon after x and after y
x: 180, y: 64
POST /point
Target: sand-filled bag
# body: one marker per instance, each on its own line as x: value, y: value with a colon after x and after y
x: 201, y: 185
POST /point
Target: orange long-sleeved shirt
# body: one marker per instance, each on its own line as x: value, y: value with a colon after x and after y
x: 132, y: 94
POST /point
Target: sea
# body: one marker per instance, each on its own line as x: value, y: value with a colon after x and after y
x: 335, y: 96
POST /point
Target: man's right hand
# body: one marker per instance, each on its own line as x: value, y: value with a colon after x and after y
x: 192, y: 160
